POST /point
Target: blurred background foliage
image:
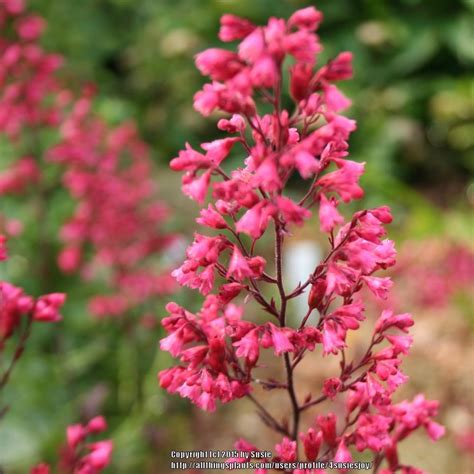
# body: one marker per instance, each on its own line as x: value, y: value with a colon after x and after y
x: 413, y: 90
x: 413, y: 98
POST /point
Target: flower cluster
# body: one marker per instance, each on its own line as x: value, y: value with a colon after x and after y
x: 18, y: 312
x: 27, y: 77
x: 27, y: 73
x: 79, y: 457
x: 218, y: 349
x: 118, y: 221
x: 372, y: 432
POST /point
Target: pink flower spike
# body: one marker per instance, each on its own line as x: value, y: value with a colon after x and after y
x: 383, y: 214
x: 218, y: 150
x: 401, y: 344
x: 267, y: 176
x: 334, y: 336
x: 207, y: 100
x: 345, y: 180
x: 388, y: 319
x: 217, y: 348
x: 189, y: 160
x: 327, y: 424
x: 303, y: 46
x: 206, y: 402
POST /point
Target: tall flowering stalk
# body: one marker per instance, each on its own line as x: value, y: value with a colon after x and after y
x: 218, y: 349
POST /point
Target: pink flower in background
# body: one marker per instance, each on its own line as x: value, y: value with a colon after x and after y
x: 23, y: 173
x: 18, y: 313
x: 79, y: 456
x: 118, y: 221
x: 47, y: 307
x: 438, y: 271
x: 31, y: 27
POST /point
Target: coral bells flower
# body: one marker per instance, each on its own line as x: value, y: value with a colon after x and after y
x: 27, y: 78
x: 241, y: 267
x: 31, y: 27
x: 218, y: 349
x: 311, y: 442
x: 79, y: 457
x: 18, y: 312
x: 99, y: 455
x: 40, y: 469
x: 234, y: 28
x: 24, y: 172
x: 308, y: 18
x: 3, y: 249
x: 219, y: 64
x: 204, y: 376
x: 47, y: 306
x: 14, y: 304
